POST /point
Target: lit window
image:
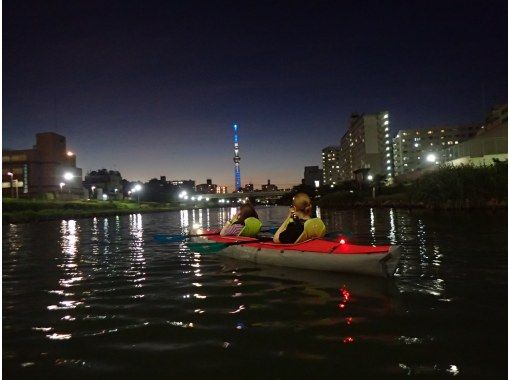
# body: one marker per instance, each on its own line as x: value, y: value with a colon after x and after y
x: 385, y: 116
x: 388, y: 161
x: 386, y: 129
x: 431, y: 144
x: 456, y: 142
x: 387, y: 154
x: 429, y: 132
x: 388, y: 168
x: 386, y: 135
x: 416, y: 145
x: 386, y: 122
x: 404, y: 134
x: 387, y: 148
x: 403, y: 140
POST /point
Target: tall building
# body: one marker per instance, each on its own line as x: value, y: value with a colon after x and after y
x: 490, y: 142
x: 207, y: 188
x: 104, y: 182
x: 312, y: 176
x: 237, y: 169
x: 330, y: 166
x: 497, y: 117
x: 183, y: 184
x: 48, y: 169
x: 269, y: 186
x: 366, y: 145
x: 417, y: 148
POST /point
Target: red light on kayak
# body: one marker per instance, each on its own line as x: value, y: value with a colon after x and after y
x: 342, y: 241
x: 349, y: 339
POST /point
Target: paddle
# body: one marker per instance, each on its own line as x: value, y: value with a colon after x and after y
x: 216, y: 247
x: 166, y: 238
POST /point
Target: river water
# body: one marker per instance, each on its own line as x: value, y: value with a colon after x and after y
x: 99, y: 298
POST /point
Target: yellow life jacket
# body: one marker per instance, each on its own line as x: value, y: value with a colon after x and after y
x: 251, y: 227
x: 313, y: 228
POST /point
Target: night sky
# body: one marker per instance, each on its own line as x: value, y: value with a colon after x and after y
x: 152, y: 88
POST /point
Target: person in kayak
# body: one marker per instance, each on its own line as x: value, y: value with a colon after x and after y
x: 236, y: 226
x: 299, y: 225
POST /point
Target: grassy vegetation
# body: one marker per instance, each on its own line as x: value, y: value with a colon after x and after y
x: 462, y: 186
x: 448, y: 187
x: 27, y: 210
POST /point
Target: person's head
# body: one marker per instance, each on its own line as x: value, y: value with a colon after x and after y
x: 247, y: 211
x: 302, y: 203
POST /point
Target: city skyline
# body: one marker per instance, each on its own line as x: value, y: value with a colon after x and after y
x: 153, y: 89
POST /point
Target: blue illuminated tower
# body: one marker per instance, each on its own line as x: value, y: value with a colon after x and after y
x: 237, y: 170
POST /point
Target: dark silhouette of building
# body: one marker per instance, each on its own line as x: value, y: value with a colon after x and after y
x: 248, y: 188
x: 269, y: 186
x: 187, y: 185
x: 104, y: 182
x: 207, y: 188
x: 48, y: 169
x: 313, y: 176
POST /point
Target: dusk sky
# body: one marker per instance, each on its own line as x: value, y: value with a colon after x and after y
x: 152, y: 88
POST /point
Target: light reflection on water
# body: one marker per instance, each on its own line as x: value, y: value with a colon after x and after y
x: 75, y: 286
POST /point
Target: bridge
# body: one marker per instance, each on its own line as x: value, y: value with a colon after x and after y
x: 252, y: 194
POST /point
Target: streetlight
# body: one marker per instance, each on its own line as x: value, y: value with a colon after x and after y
x: 68, y: 177
x: 137, y: 190
x: 431, y: 157
x: 62, y: 184
x: 370, y: 177
x: 11, y: 174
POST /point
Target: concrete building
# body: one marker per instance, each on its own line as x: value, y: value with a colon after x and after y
x: 366, y: 145
x: 221, y: 190
x: 269, y: 186
x: 183, y: 184
x: 312, y: 176
x: 104, y: 182
x: 415, y: 149
x: 207, y: 188
x: 491, y: 142
x: 331, y: 166
x: 47, y: 170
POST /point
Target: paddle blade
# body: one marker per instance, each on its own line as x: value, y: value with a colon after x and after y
x: 162, y: 238
x: 207, y: 247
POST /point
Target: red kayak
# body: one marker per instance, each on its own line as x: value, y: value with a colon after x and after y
x: 316, y: 254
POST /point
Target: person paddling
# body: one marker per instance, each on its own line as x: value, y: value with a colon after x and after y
x: 299, y: 225
x: 237, y: 225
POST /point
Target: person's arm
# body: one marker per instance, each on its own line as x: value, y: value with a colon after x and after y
x: 233, y: 230
x: 224, y: 231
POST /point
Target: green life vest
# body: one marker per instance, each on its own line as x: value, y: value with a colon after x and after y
x: 313, y: 228
x: 251, y: 227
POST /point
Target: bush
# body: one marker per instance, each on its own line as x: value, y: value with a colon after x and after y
x: 340, y: 199
x: 472, y: 185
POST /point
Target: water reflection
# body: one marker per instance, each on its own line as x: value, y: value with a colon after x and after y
x: 137, y: 268
x: 64, y: 300
x: 184, y: 221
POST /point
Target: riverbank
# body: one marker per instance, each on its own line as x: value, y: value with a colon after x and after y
x: 23, y: 211
x: 460, y: 187
x: 342, y: 201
